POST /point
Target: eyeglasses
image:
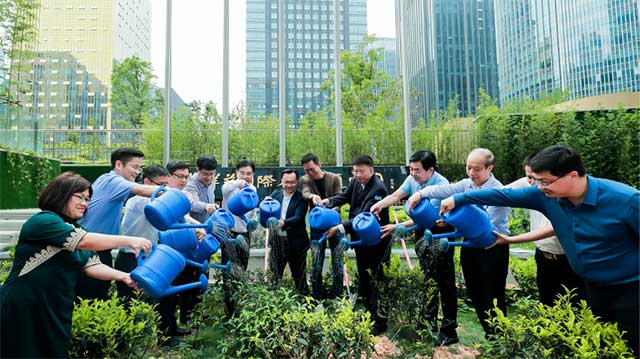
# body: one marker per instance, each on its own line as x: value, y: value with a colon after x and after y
x: 545, y: 184
x: 82, y: 197
x: 182, y: 177
x: 158, y: 184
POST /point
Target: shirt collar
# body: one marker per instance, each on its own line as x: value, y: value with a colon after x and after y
x: 591, y: 196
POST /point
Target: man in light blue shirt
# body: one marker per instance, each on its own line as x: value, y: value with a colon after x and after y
x: 110, y: 191
x: 485, y: 271
x: 422, y: 170
x: 202, y: 186
x: 597, y: 223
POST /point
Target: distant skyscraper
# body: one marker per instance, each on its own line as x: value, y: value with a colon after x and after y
x: 308, y: 49
x: 450, y: 48
x: 588, y: 48
x: 87, y: 37
x: 389, y: 63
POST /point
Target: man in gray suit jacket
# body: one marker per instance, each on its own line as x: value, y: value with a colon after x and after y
x: 317, y: 185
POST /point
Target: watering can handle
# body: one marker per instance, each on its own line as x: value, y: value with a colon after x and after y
x: 141, y: 253
x: 157, y: 191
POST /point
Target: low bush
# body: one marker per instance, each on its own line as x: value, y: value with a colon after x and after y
x: 564, y: 330
x: 104, y: 328
x: 524, y: 272
x: 275, y: 322
x: 404, y: 293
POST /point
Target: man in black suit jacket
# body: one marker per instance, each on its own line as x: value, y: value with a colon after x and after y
x: 363, y: 191
x: 293, y: 240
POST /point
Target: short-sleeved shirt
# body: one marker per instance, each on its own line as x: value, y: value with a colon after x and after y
x: 411, y: 186
x: 110, y: 191
x: 135, y: 223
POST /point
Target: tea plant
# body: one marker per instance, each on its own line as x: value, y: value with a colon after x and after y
x: 564, y: 330
x: 106, y: 329
x: 525, y: 273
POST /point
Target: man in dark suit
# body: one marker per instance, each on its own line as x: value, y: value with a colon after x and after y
x: 292, y: 237
x: 363, y: 191
x: 316, y: 185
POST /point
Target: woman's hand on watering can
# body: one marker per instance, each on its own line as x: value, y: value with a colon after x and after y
x: 447, y: 204
x: 388, y: 229
x: 500, y: 239
x: 138, y: 244
x: 414, y: 200
x: 200, y: 234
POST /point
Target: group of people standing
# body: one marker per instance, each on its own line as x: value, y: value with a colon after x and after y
x: 590, y: 241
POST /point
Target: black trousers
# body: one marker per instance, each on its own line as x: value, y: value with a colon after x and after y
x: 370, y: 262
x: 485, y: 275
x: 89, y: 288
x: 317, y: 287
x: 554, y: 272
x: 439, y: 267
x: 294, y: 253
x: 617, y: 304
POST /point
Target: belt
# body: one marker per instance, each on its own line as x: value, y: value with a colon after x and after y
x: 552, y: 256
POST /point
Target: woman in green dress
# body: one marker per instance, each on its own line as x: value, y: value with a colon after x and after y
x: 36, y: 301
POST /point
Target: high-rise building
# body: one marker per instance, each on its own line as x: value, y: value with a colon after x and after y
x: 450, y: 52
x: 85, y: 36
x: 389, y: 63
x: 586, y: 48
x: 308, y: 51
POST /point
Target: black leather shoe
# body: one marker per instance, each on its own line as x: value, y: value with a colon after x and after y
x: 444, y: 339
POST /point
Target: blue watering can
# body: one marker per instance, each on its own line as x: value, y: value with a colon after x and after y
x: 423, y: 216
x: 165, y: 211
x: 269, y: 209
x: 207, y: 247
x: 243, y: 202
x: 203, y: 251
x: 368, y: 229
x: 222, y: 218
x: 322, y: 219
x: 161, y: 267
x: 182, y: 240
x: 168, y: 211
x: 472, y: 223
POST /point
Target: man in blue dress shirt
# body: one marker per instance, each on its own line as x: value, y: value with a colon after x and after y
x: 597, y: 222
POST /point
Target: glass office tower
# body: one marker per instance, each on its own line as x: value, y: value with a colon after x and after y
x: 586, y: 48
x: 308, y: 51
x: 450, y: 48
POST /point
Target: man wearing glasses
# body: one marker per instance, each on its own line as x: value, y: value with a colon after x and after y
x: 110, y: 191
x: 553, y: 271
x: 597, y: 223
x: 201, y: 186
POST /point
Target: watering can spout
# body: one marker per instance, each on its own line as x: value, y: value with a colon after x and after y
x: 225, y: 267
x: 202, y: 283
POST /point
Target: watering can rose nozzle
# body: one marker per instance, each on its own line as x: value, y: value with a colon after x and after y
x: 252, y: 225
x: 272, y: 222
x: 401, y: 230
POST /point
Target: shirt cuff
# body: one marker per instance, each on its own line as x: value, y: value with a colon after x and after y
x: 341, y: 228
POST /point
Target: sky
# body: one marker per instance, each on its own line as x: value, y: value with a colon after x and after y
x: 197, y: 28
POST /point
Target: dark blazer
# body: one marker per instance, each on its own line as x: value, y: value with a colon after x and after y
x: 361, y: 200
x: 295, y: 223
x: 332, y: 185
